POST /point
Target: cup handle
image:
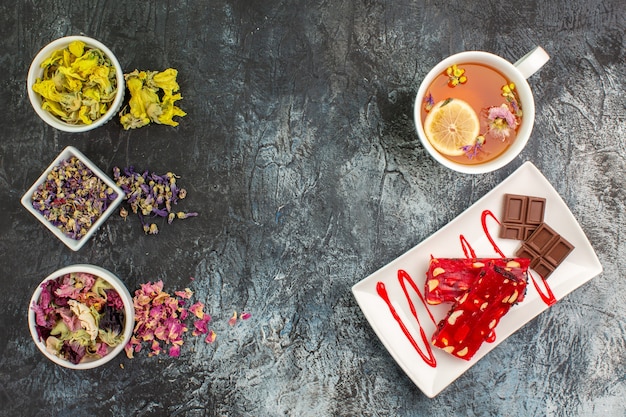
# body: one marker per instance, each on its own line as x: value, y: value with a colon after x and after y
x: 532, y: 61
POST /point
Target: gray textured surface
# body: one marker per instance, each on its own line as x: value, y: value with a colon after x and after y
x: 299, y: 153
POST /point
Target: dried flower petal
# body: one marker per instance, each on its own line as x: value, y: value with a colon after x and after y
x: 200, y: 326
x: 233, y: 320
x: 160, y: 320
x: 186, y: 294
x: 210, y: 337
x: 197, y: 309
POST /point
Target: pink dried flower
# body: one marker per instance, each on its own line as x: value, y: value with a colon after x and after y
x: 233, y: 320
x: 201, y: 326
x: 174, y: 351
x: 129, y: 349
x: 102, y: 349
x: 160, y: 320
x: 114, y: 300
x: 155, y: 349
x: 186, y: 294
x: 501, y: 121
x: 71, y: 320
x: 197, y: 309
x: 210, y: 337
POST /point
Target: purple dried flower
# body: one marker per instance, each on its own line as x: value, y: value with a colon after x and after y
x: 429, y: 102
x: 72, y: 197
x: 151, y: 195
x: 472, y: 150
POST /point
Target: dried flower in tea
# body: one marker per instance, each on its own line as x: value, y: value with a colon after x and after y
x: 456, y: 76
x: 501, y: 121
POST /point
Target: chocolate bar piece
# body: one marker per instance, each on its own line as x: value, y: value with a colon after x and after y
x: 473, y: 318
x: 447, y: 279
x: 546, y: 249
x: 521, y: 216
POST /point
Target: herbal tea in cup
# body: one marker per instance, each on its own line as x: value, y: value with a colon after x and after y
x: 474, y: 111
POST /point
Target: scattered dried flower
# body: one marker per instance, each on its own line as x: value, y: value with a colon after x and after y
x: 151, y: 195
x: 160, y: 320
x: 233, y: 320
x: 152, y: 99
x: 210, y: 337
x: 197, y: 310
x: 157, y: 320
x: 186, y: 294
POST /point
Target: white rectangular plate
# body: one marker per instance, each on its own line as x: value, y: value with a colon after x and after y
x: 580, y: 266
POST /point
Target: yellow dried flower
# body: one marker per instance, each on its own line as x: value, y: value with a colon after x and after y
x: 456, y: 76
x: 166, y: 81
x: 78, y: 83
x: 77, y: 48
x: 152, y: 99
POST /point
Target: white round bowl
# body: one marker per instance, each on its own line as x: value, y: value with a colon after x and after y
x: 36, y: 71
x: 129, y: 316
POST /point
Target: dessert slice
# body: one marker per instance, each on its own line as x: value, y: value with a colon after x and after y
x: 447, y: 279
x: 473, y: 318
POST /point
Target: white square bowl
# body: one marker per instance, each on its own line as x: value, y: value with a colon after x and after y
x: 74, y: 244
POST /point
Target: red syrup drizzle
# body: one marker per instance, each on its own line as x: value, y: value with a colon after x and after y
x: 428, y: 357
x: 548, y: 297
x: 467, y: 248
x: 483, y: 220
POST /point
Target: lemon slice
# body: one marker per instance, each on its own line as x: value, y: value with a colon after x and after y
x: 450, y: 125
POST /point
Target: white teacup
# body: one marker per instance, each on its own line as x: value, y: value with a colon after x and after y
x: 516, y: 73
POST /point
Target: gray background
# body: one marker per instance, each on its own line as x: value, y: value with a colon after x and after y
x: 300, y: 155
